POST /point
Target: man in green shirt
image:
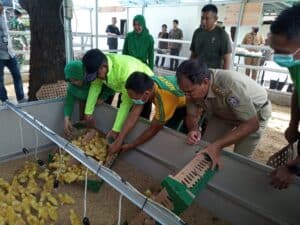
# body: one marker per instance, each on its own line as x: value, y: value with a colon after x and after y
x: 77, y: 91
x: 113, y: 71
x: 210, y: 42
x: 285, y: 41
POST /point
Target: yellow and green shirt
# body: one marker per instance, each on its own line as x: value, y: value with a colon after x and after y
x: 168, y: 97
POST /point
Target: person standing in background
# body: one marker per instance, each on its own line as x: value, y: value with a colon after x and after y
x: 19, y: 42
x: 114, y: 31
x: 139, y: 43
x: 162, y: 46
x: 175, y: 48
x: 8, y: 59
x: 210, y: 42
x: 253, y: 38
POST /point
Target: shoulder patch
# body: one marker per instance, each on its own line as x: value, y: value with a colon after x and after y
x: 233, y: 101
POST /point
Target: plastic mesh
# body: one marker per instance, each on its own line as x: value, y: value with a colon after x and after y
x: 50, y: 91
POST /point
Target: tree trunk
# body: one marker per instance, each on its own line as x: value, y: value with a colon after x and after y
x: 47, y: 55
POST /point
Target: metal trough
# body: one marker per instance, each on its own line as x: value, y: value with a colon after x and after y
x: 239, y: 193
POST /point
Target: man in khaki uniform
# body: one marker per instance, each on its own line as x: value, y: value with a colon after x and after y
x: 237, y: 108
x: 253, y: 38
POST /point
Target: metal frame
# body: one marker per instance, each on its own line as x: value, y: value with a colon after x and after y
x: 155, y: 210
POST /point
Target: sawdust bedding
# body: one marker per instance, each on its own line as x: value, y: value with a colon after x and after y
x: 102, y: 207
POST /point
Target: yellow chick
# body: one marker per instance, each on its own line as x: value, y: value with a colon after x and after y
x: 20, y: 221
x: 66, y: 199
x: 74, y: 218
x: 69, y: 177
x: 51, y: 199
x: 43, y: 213
x: 11, y: 215
x: 52, y: 211
x: 32, y: 186
x: 32, y: 220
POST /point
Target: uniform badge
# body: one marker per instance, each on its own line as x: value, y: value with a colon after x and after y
x: 233, y: 101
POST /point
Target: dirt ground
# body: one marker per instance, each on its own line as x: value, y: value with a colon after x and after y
x: 273, y: 139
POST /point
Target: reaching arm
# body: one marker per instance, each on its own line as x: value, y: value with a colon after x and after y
x: 149, y: 133
x: 128, y: 126
x: 191, y: 121
x: 123, y: 111
x: 237, y: 134
x: 94, y: 91
x: 227, y: 61
x: 244, y: 129
x: 292, y: 134
x: 69, y: 104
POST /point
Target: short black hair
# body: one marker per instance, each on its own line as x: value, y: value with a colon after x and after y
x: 288, y: 23
x: 195, y: 70
x: 139, y: 82
x: 210, y: 8
x: 92, y: 60
x: 164, y: 25
x: 176, y: 21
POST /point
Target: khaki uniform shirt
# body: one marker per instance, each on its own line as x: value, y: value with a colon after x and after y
x: 233, y: 97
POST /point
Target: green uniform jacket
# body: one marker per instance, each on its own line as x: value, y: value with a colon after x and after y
x: 76, y: 93
x: 120, y: 67
x: 140, y: 45
x: 295, y: 75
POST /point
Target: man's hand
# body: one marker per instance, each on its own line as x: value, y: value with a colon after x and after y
x: 193, y: 137
x: 126, y: 147
x: 214, y: 153
x: 89, y: 135
x: 68, y: 126
x: 292, y: 134
x: 90, y: 120
x: 112, y: 135
x: 115, y: 147
x: 281, y: 177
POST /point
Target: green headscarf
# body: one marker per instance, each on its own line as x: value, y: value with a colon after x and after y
x: 74, y: 70
x: 295, y: 75
x: 141, y: 20
x: 140, y: 45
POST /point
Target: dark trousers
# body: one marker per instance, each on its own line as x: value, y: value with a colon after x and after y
x: 174, y: 62
x: 177, y: 120
x: 13, y: 67
x: 162, y: 59
x: 113, y: 48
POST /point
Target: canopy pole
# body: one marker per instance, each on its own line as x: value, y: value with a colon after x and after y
x: 96, y: 17
x: 241, y: 15
x: 68, y: 14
